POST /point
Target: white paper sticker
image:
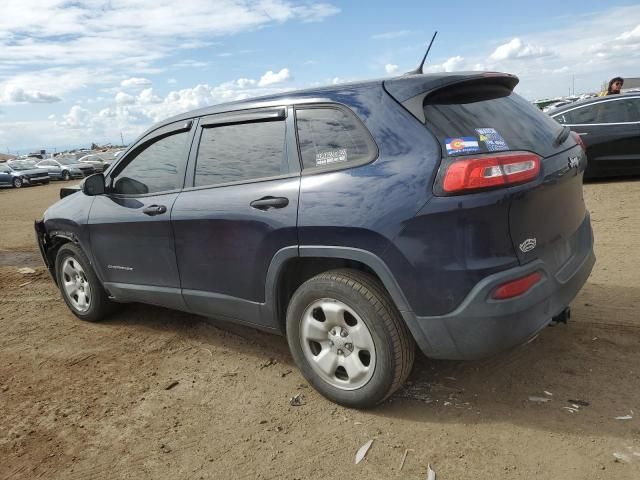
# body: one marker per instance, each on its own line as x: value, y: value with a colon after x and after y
x: 331, y: 156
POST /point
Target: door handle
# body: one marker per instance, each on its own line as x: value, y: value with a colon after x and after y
x: 265, y: 203
x: 152, y: 210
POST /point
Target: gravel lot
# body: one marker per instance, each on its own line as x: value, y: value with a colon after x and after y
x: 84, y: 401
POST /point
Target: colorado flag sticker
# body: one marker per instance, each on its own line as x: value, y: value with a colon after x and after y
x: 456, y: 146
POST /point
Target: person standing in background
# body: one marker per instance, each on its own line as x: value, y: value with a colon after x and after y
x: 615, y: 84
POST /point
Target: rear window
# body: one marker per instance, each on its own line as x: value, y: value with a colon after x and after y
x: 481, y: 119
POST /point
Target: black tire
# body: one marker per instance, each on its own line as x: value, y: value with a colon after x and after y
x: 17, y: 182
x: 99, y: 305
x: 66, y: 176
x: 394, y: 345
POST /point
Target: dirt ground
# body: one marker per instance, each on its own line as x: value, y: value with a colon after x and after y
x: 83, y: 401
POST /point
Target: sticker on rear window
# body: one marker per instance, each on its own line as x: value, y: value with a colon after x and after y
x: 456, y: 146
x: 492, y: 139
x: 331, y: 156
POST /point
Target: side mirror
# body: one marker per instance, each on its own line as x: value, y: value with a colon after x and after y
x: 94, y: 185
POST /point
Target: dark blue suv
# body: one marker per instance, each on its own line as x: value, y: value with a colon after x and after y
x: 358, y: 219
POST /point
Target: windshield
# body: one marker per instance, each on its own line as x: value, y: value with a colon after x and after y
x: 23, y: 165
x: 66, y: 161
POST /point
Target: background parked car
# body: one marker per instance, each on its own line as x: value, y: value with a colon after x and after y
x: 96, y: 160
x: 18, y: 173
x: 66, y: 168
x: 610, y: 129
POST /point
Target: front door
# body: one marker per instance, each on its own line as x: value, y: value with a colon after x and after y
x: 239, y: 212
x: 130, y: 226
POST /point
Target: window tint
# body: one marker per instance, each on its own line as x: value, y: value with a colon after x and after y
x: 157, y: 168
x: 616, y: 111
x: 485, y: 118
x: 239, y: 152
x: 330, y: 137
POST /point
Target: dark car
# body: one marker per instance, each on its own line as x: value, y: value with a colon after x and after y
x: 18, y: 173
x: 66, y: 168
x: 610, y: 129
x: 359, y: 219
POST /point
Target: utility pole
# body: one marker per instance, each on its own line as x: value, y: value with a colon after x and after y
x: 573, y: 84
x: 121, y: 138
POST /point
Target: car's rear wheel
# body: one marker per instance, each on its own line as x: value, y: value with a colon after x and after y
x: 348, y: 339
x: 66, y: 176
x: 17, y: 182
x: 80, y: 288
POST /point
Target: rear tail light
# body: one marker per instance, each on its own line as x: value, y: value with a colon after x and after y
x: 579, y: 141
x: 490, y: 171
x: 516, y: 287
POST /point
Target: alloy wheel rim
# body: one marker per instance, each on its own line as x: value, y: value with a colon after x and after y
x: 76, y: 284
x: 338, y: 344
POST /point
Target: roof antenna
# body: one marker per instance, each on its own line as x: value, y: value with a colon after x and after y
x: 418, y: 70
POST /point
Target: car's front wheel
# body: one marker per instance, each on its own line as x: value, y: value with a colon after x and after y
x: 66, y: 176
x: 79, y: 285
x: 348, y: 339
x: 17, y: 182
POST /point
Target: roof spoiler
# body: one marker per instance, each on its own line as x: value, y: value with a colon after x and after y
x: 411, y: 91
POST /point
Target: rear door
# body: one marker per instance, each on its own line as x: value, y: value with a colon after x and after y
x: 480, y: 120
x: 130, y: 225
x: 239, y: 212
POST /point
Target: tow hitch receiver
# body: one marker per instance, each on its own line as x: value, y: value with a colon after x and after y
x: 562, y: 317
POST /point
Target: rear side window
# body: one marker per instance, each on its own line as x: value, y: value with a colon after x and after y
x: 241, y: 152
x: 331, y: 137
x: 479, y: 119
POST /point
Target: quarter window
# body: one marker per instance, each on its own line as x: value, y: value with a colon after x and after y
x: 331, y: 137
x: 157, y: 168
x: 241, y: 152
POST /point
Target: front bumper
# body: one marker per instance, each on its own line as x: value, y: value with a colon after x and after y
x: 481, y: 326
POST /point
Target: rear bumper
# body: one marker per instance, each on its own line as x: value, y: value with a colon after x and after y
x: 481, y: 326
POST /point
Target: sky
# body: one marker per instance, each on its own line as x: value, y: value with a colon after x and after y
x: 83, y: 71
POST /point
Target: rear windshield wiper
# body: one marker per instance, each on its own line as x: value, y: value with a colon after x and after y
x: 562, y: 136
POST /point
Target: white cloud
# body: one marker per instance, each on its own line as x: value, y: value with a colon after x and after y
x: 390, y: 68
x: 172, y: 81
x: 77, y: 117
x: 135, y: 82
x: 271, y: 78
x: 245, y: 82
x: 15, y: 94
x: 631, y: 36
x: 391, y: 35
x: 122, y: 98
x: 516, y: 48
x: 190, y: 64
x: 452, y: 64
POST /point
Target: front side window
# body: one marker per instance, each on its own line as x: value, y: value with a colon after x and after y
x: 331, y: 137
x: 615, y: 111
x: 157, y: 168
x: 241, y: 152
